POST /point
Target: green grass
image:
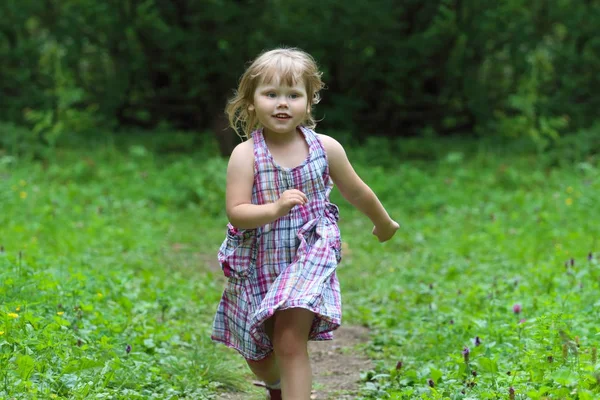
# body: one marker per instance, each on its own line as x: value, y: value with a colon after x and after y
x: 109, y: 245
x: 480, y: 233
x: 102, y: 250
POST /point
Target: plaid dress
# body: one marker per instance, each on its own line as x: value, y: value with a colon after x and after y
x: 288, y: 263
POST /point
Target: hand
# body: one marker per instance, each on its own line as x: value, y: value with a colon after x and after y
x: 288, y: 200
x: 385, y: 232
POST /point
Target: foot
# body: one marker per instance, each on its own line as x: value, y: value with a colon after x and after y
x: 274, y: 394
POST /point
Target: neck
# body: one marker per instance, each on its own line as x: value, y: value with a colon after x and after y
x: 278, y: 139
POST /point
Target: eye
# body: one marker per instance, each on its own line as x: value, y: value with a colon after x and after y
x: 271, y: 95
x: 294, y: 95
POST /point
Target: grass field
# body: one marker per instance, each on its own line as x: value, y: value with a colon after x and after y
x: 107, y: 289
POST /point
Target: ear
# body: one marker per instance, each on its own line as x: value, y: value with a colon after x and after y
x: 251, y: 107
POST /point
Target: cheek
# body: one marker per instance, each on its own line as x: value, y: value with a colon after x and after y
x: 257, y: 98
x: 304, y: 105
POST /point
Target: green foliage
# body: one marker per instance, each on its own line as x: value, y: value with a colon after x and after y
x: 103, y: 249
x: 206, y: 189
x: 17, y: 141
x: 114, y: 245
x: 517, y: 68
x: 481, y: 231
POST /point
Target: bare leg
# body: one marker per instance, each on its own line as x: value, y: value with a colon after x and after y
x: 290, y: 340
x: 266, y: 369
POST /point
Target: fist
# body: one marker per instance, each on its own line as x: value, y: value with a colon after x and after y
x: 385, y: 232
x: 288, y: 200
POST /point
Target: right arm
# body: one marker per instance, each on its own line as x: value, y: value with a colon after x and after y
x: 240, y: 179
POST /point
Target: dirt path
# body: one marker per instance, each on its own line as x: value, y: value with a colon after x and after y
x: 337, y: 364
x: 336, y: 367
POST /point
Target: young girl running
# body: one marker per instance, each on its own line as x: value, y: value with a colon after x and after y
x: 283, y: 243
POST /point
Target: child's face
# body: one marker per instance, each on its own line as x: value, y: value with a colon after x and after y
x: 280, y: 108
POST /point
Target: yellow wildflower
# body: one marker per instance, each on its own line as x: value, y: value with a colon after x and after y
x: 53, y: 396
x: 569, y: 201
x: 60, y: 312
x: 18, y: 308
x: 1, y: 333
x: 13, y: 315
x: 100, y: 295
x: 23, y: 195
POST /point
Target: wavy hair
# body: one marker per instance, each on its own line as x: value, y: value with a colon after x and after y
x: 286, y: 65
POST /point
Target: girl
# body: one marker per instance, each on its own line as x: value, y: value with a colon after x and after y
x: 283, y: 243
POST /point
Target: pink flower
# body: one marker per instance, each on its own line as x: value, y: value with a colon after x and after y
x: 522, y: 320
x: 517, y: 308
x: 466, y: 353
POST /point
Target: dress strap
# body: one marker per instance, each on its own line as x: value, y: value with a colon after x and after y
x: 312, y: 139
x: 260, y: 150
x: 259, y: 141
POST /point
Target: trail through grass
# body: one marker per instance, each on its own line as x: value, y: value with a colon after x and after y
x: 490, y: 286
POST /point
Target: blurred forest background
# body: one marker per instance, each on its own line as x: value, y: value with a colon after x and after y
x: 520, y: 68
x: 474, y: 121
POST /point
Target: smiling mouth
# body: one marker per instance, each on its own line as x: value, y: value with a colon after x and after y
x: 282, y: 116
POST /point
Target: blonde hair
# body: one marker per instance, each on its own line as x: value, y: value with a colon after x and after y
x: 290, y: 66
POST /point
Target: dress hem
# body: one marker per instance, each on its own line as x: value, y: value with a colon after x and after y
x: 266, y: 313
x: 261, y: 357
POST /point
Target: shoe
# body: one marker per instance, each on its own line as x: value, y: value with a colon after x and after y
x: 274, y: 394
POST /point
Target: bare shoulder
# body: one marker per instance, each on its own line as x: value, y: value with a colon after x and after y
x: 340, y: 169
x: 240, y: 175
x: 327, y: 140
x: 243, y: 152
x: 244, y: 149
x: 241, y: 161
x: 333, y: 148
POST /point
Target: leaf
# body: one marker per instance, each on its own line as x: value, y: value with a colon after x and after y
x: 83, y: 364
x: 565, y: 377
x: 436, y: 374
x: 69, y: 380
x: 380, y: 376
x: 488, y: 365
x: 585, y: 395
x: 25, y: 366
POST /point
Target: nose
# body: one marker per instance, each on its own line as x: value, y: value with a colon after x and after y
x: 282, y: 102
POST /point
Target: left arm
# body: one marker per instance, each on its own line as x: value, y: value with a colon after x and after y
x: 358, y: 193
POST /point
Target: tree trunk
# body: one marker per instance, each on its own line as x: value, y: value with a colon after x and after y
x: 226, y: 137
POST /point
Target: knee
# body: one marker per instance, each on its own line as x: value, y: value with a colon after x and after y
x: 260, y: 365
x: 255, y: 364
x: 289, y: 344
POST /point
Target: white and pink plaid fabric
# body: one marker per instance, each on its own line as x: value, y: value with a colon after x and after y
x: 288, y: 263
